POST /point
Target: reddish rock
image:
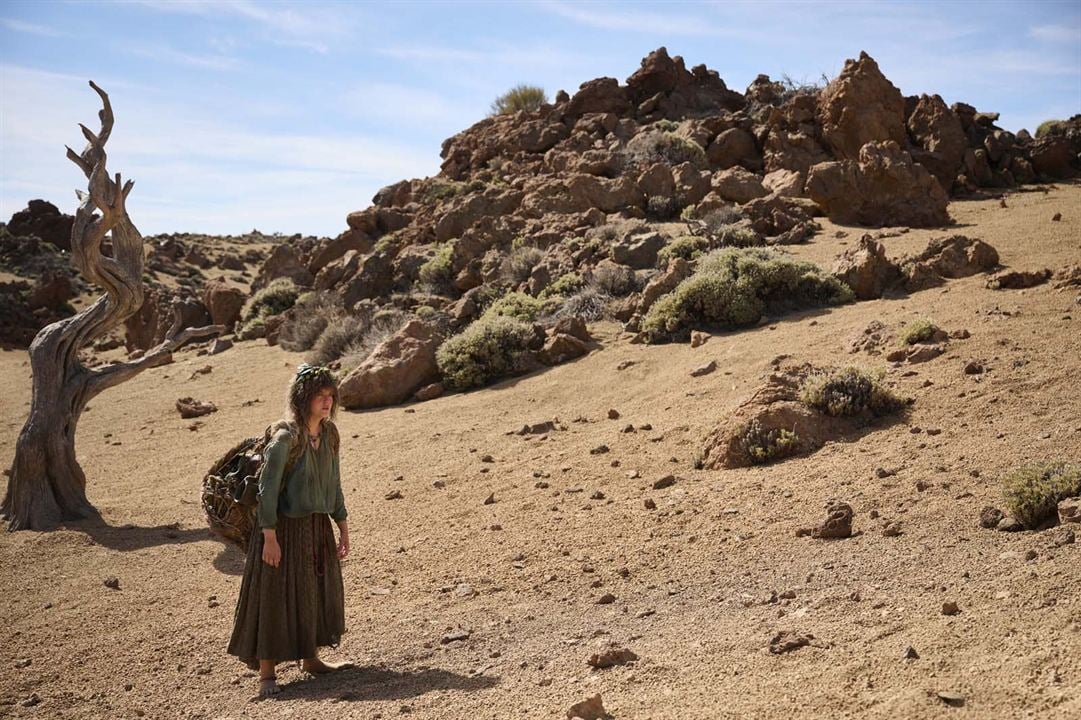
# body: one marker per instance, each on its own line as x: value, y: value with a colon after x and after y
x: 860, y: 106
x: 396, y: 369
x: 866, y: 269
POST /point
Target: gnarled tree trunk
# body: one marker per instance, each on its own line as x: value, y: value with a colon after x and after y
x: 47, y: 486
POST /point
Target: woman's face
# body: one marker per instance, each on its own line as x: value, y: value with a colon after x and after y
x: 321, y: 404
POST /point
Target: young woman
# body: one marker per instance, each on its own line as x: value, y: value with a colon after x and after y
x: 291, y: 597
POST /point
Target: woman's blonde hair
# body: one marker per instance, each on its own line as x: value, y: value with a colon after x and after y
x: 306, y: 384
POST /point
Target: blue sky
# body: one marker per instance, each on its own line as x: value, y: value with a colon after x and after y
x: 284, y: 116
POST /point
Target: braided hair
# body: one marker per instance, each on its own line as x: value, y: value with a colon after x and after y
x: 306, y: 384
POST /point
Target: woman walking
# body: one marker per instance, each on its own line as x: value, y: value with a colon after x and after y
x: 291, y: 597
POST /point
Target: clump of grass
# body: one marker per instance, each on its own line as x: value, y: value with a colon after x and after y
x: 688, y: 247
x: 519, y: 97
x: 589, y: 303
x: 520, y: 263
x: 918, y: 331
x: 489, y: 349
x: 661, y: 207
x: 274, y: 299
x: 734, y: 287
x: 438, y: 270
x: 1032, y: 492
x: 335, y: 339
x: 849, y: 391
x: 363, y: 338
x: 438, y: 189
x: 764, y: 446
x: 656, y: 145
x: 666, y: 125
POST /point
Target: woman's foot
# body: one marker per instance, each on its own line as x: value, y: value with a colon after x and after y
x: 315, y: 666
x: 268, y: 686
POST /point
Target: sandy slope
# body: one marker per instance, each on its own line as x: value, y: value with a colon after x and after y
x: 705, y: 562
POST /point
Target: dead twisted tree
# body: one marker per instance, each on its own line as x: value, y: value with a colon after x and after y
x: 47, y: 486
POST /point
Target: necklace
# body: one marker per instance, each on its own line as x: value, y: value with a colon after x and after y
x: 314, y: 439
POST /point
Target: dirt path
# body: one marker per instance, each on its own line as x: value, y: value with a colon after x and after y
x: 693, y: 580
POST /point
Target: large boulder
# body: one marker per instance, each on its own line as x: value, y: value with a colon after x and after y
x: 43, y: 219
x: 738, y: 185
x: 860, y: 106
x: 940, y: 141
x: 284, y: 261
x: 866, y: 269
x: 638, y: 251
x: 223, y: 302
x: 884, y: 187
x: 603, y: 95
x: 397, y: 368
x: 734, y: 146
x: 956, y: 256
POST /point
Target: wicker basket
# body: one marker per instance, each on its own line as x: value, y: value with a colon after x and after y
x: 223, y: 487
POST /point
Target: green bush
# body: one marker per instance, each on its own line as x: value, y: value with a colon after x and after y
x: 489, y: 349
x: 274, y: 299
x: 763, y: 446
x: 438, y: 189
x: 849, y: 391
x: 688, y: 247
x: 438, y: 271
x: 1047, y: 126
x: 1033, y: 491
x: 734, y: 287
x: 661, y: 207
x: 565, y: 284
x: 589, y: 303
x: 520, y: 97
x: 517, y: 305
x: 918, y: 331
x: 616, y: 280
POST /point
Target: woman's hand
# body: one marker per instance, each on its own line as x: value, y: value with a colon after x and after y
x: 343, y: 541
x: 272, y: 552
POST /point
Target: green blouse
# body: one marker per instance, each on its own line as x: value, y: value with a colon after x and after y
x: 313, y: 485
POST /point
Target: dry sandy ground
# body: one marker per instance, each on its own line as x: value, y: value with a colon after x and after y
x: 692, y: 579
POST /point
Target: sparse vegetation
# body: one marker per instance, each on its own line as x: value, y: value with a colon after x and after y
x: 566, y: 284
x: 655, y: 145
x: 491, y: 348
x: 763, y: 446
x: 274, y: 299
x: 849, y: 391
x: 517, y: 305
x: 520, y: 97
x: 1032, y: 492
x: 438, y: 271
x: 367, y: 336
x: 918, y: 331
x: 520, y: 263
x: 661, y: 207
x: 336, y: 339
x: 791, y: 87
x: 734, y: 287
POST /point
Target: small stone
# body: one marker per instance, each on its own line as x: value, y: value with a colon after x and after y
x: 910, y: 653
x: 490, y: 500
x: 22, y: 663
x: 892, y: 529
x: 112, y: 582
x: 950, y: 608
x: 606, y: 599
x: 589, y: 709
x: 456, y: 636
x: 1056, y: 217
x: 951, y: 698
x: 990, y: 517
x: 704, y: 369
x: 974, y: 367
x: 613, y: 414
x: 599, y: 450
x: 611, y: 657
x: 597, y: 495
x: 664, y: 482
x: 393, y: 495
x: 650, y: 504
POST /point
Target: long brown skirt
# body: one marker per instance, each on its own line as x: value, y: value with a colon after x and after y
x: 287, y: 612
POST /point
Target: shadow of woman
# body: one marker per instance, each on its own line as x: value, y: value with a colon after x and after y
x: 381, y: 683
x: 128, y: 537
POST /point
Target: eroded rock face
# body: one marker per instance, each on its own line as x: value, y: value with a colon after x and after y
x: 396, y: 369
x: 939, y: 141
x: 284, y: 262
x: 224, y: 303
x: 860, y: 106
x: 950, y: 257
x: 884, y: 187
x: 866, y: 269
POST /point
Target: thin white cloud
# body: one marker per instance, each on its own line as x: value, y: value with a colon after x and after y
x: 164, y: 53
x: 312, y: 26
x: 191, y: 170
x: 31, y: 28
x: 621, y: 18
x: 1056, y: 33
x: 406, y: 105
